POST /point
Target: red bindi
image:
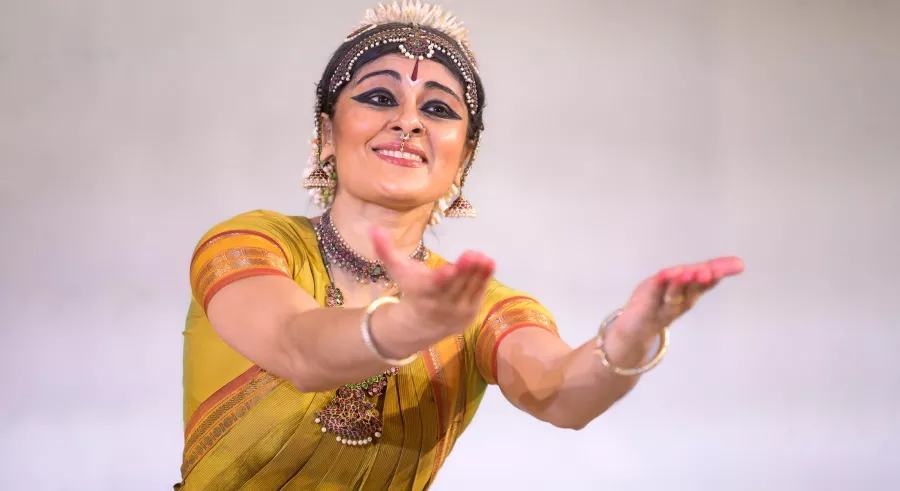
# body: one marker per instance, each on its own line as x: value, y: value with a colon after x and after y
x: 415, y: 73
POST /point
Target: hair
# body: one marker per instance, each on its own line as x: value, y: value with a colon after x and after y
x: 328, y: 99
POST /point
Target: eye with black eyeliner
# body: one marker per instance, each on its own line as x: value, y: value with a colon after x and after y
x: 376, y: 97
x: 440, y: 110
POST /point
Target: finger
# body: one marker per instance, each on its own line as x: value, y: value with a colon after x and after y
x: 482, y: 268
x: 478, y: 289
x: 673, y: 273
x: 443, y: 276
x: 692, y: 292
x: 674, y: 298
x: 384, y: 249
x: 704, y: 275
x: 479, y: 270
x: 467, y: 269
x: 709, y: 286
x: 726, y: 266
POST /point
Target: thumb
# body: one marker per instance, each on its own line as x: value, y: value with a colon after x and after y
x: 384, y: 249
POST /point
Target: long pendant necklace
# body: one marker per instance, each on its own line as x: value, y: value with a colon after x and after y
x: 353, y: 418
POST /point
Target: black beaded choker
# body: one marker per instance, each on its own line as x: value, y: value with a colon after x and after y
x: 337, y: 252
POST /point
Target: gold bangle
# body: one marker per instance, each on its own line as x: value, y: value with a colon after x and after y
x: 366, y: 330
x: 627, y: 372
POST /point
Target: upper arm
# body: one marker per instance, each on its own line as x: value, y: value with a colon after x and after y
x: 518, y: 343
x: 241, y: 274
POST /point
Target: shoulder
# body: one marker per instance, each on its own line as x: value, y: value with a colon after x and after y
x: 251, y: 243
x: 280, y: 229
x: 262, y: 221
x: 260, y: 232
x: 501, y: 300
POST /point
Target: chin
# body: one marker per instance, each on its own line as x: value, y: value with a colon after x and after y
x: 398, y: 195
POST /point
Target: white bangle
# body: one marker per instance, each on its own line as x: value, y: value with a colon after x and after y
x: 366, y: 330
x: 627, y: 372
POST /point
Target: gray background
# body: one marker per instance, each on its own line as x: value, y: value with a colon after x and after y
x: 622, y: 136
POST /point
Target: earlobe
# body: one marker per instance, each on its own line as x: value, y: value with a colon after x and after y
x: 467, y: 157
x: 326, y: 146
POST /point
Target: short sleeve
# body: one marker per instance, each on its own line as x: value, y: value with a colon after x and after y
x: 506, y: 311
x: 251, y: 244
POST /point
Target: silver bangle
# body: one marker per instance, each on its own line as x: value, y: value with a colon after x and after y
x: 627, y: 372
x: 366, y: 331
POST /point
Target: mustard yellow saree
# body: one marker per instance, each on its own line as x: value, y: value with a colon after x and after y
x: 246, y: 429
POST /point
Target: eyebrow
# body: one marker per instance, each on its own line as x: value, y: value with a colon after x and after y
x: 396, y: 76
x: 390, y: 73
x: 435, y: 85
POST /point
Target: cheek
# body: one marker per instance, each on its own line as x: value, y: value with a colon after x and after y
x: 449, y: 144
x: 354, y: 126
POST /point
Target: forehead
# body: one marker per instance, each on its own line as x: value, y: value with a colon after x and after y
x: 428, y: 70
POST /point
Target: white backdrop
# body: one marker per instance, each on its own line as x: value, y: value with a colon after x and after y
x: 621, y: 137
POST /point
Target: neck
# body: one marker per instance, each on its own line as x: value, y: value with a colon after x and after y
x: 353, y: 220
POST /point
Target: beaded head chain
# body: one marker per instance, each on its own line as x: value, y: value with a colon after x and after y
x: 419, y: 31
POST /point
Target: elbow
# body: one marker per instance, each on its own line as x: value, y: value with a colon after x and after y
x: 573, y: 420
x: 301, y: 368
x: 304, y: 384
x: 563, y: 420
x: 308, y: 379
x: 303, y: 381
x: 571, y: 424
x: 305, y: 375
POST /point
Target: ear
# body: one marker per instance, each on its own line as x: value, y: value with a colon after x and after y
x: 327, y: 144
x: 468, y: 152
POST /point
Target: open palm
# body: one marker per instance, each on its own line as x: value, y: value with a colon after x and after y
x: 447, y: 298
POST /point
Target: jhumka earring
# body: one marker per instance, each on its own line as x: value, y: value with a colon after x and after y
x: 321, y: 178
x: 324, y: 179
x: 461, y: 208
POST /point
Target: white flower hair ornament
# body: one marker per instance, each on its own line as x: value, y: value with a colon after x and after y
x: 419, y: 31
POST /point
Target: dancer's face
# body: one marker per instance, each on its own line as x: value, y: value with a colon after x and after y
x: 383, y: 102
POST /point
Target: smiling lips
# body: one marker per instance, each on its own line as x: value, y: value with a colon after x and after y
x: 411, y: 156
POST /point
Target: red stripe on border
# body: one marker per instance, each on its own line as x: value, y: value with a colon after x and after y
x: 239, y: 275
x: 219, y: 395
x: 513, y: 328
x: 227, y: 232
x: 431, y: 367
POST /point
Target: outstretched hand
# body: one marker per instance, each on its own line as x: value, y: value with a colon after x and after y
x: 661, y: 299
x: 444, y: 300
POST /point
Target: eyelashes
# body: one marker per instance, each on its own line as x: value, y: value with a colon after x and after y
x: 440, y: 110
x: 380, y: 97
x: 376, y: 97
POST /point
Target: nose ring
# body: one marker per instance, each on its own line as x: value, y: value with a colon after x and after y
x: 403, y: 140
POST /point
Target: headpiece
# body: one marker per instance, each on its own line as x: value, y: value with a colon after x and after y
x: 421, y: 31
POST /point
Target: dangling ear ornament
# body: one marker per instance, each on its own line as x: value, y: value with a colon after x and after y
x: 460, y: 208
x: 318, y: 179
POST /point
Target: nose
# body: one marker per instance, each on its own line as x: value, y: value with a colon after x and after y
x: 407, y: 122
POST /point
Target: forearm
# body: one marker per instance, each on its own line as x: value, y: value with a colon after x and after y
x: 579, y: 387
x: 326, y: 348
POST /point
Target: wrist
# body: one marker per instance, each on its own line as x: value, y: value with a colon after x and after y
x: 626, y: 345
x: 392, y: 332
x: 627, y: 349
x: 633, y: 330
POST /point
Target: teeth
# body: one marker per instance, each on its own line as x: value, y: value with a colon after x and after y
x: 400, y: 155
